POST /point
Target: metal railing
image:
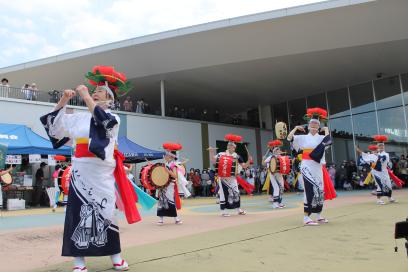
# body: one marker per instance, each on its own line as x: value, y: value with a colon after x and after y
x: 36, y: 95
x: 54, y: 97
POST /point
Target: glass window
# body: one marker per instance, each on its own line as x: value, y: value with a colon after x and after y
x: 280, y: 113
x: 388, y: 92
x: 318, y: 100
x: 365, y: 126
x: 362, y: 99
x: 342, y: 148
x: 338, y: 103
x: 297, y: 110
x: 392, y: 124
x: 404, y: 79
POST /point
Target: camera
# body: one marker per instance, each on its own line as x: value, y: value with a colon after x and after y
x: 401, y: 231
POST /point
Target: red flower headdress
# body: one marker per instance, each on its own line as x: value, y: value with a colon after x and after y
x: 373, y: 147
x: 275, y: 143
x: 233, y: 138
x: 172, y: 146
x: 380, y: 138
x: 106, y: 75
x: 316, y: 113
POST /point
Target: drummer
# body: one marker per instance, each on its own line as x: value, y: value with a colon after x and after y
x: 169, y: 200
x: 2, y: 173
x: 228, y: 186
x: 276, y: 187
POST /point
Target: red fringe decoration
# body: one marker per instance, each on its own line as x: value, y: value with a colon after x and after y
x: 275, y: 143
x: 249, y: 188
x: 396, y: 179
x: 322, y: 113
x: 233, y: 138
x: 172, y: 146
x: 177, y: 197
x: 329, y: 191
x: 126, y: 191
x: 380, y: 138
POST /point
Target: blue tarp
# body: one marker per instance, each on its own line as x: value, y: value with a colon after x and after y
x: 22, y: 140
x: 135, y: 153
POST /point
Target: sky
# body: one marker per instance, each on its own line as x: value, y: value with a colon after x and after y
x: 32, y: 30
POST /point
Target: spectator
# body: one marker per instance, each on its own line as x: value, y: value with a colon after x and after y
x: 4, y: 88
x: 146, y: 108
x: 205, y: 183
x: 39, y: 183
x: 34, y: 91
x: 217, y: 116
x: 403, y: 168
x: 128, y: 104
x: 27, y: 92
x: 140, y: 106
x: 197, y: 183
x: 204, y: 115
x: 332, y: 173
x: 54, y: 96
x: 341, y: 176
x: 190, y: 177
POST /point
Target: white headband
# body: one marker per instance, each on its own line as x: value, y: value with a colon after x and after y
x: 108, y: 90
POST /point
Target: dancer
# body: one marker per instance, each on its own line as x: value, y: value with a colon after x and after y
x: 228, y: 179
x: 380, y: 161
x: 90, y: 226
x: 276, y: 185
x: 317, y: 184
x: 169, y: 199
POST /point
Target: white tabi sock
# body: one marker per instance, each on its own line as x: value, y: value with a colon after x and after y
x: 318, y: 216
x: 116, y: 259
x: 79, y: 262
x: 177, y: 219
x: 306, y: 218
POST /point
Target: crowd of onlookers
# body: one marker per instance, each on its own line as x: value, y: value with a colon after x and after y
x: 347, y: 176
x: 140, y: 106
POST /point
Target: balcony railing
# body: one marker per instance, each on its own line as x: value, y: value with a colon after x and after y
x: 54, y: 97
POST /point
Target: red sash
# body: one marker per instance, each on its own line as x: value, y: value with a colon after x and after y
x: 329, y: 191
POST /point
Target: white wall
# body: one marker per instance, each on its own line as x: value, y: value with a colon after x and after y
x: 217, y: 132
x: 24, y: 113
x: 152, y: 132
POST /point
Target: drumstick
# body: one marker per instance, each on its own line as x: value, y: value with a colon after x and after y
x: 212, y: 148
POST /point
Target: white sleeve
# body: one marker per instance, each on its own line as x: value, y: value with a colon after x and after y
x: 369, y: 158
x: 62, y: 124
x: 297, y: 142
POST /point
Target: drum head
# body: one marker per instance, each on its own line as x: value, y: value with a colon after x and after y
x: 159, y: 175
x: 6, y: 179
x: 273, y: 165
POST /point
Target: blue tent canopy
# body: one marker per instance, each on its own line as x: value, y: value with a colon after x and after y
x: 135, y: 153
x: 22, y: 140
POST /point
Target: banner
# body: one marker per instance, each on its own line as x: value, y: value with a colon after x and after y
x: 34, y: 158
x: 13, y: 159
x: 51, y: 161
x: 3, y: 154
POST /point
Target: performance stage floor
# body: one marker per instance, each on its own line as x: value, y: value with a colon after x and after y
x: 359, y: 237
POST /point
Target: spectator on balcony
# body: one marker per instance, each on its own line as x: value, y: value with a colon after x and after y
x: 217, y: 116
x: 146, y: 108
x: 140, y: 106
x: 54, y: 96
x: 34, y: 91
x: 27, y: 92
x: 4, y: 88
x: 204, y: 115
x: 128, y: 104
